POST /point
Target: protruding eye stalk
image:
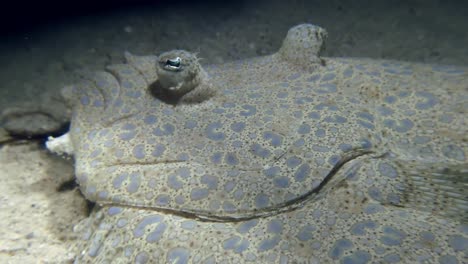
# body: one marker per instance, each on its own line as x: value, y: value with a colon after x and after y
x: 174, y: 64
x: 181, y: 79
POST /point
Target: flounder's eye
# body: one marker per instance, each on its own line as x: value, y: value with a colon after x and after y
x: 173, y: 64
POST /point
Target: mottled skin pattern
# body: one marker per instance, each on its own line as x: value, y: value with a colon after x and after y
x: 288, y: 158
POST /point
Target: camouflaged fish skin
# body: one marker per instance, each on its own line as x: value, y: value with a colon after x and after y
x: 287, y: 158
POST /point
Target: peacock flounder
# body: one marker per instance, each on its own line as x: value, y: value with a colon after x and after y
x: 287, y: 158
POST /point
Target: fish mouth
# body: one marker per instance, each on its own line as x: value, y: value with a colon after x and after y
x: 315, y: 193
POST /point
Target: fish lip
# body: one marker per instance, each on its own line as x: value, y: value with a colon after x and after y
x: 285, y: 207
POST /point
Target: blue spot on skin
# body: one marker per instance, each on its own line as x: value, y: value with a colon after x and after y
x: 114, y: 210
x: 262, y: 200
x: 98, y: 103
x: 133, y: 94
x: 314, y: 115
x: 109, y: 143
x: 139, y: 151
x: 339, y: 247
x: 198, y: 194
x: 190, y: 124
x: 446, y: 118
x: 272, y: 172
x: 282, y: 95
x: 236, y: 243
x: 453, y: 152
x: 345, y: 147
x: 246, y: 226
x: 218, y: 110
x: 147, y: 220
x: 216, y: 157
x: 403, y: 125
x: 168, y: 111
x: 366, y: 115
x: 117, y: 182
x: 210, y: 181
x: 421, y: 139
x: 427, y: 236
x: 103, y: 195
x: 388, y: 170
x: 313, y: 78
x: 281, y: 182
x: 275, y: 226
x: 373, y: 208
x: 320, y: 148
x: 158, y: 150
x: 156, y: 235
x: 393, y: 198
x: 328, y: 77
x: 359, y: 229
x: 165, y: 130
x: 392, y: 236
x: 397, y: 69
x: 293, y: 162
x: 229, y: 186
x: 178, y: 256
x: 238, y: 126
x: 375, y: 193
x: 211, y: 133
x: 326, y: 88
x: 150, y: 119
x: 333, y: 160
x: 358, y: 257
x: 251, y: 110
x: 260, y: 151
x: 299, y: 143
x: 127, y: 85
x: 162, y: 200
x: 366, y: 124
x: 268, y: 243
x: 448, y: 259
x: 92, y: 134
x: 122, y: 222
x: 173, y: 182
x: 429, y: 100
x: 384, y: 111
x: 390, y: 99
x: 366, y: 144
x: 303, y: 129
x: 306, y: 232
x: 141, y: 258
x: 320, y: 133
x: 229, y: 207
x: 274, y: 138
x: 231, y: 159
x: 134, y: 182
x: 450, y: 69
x: 94, y: 248
x: 294, y: 76
x: 128, y: 251
x: 403, y: 94
x: 348, y: 72
x: 302, y: 172
x: 392, y: 258
x: 336, y: 119
x: 84, y: 100
x: 95, y: 153
x: 458, y: 242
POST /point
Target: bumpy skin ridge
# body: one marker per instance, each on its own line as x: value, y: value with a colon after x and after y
x: 280, y: 159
